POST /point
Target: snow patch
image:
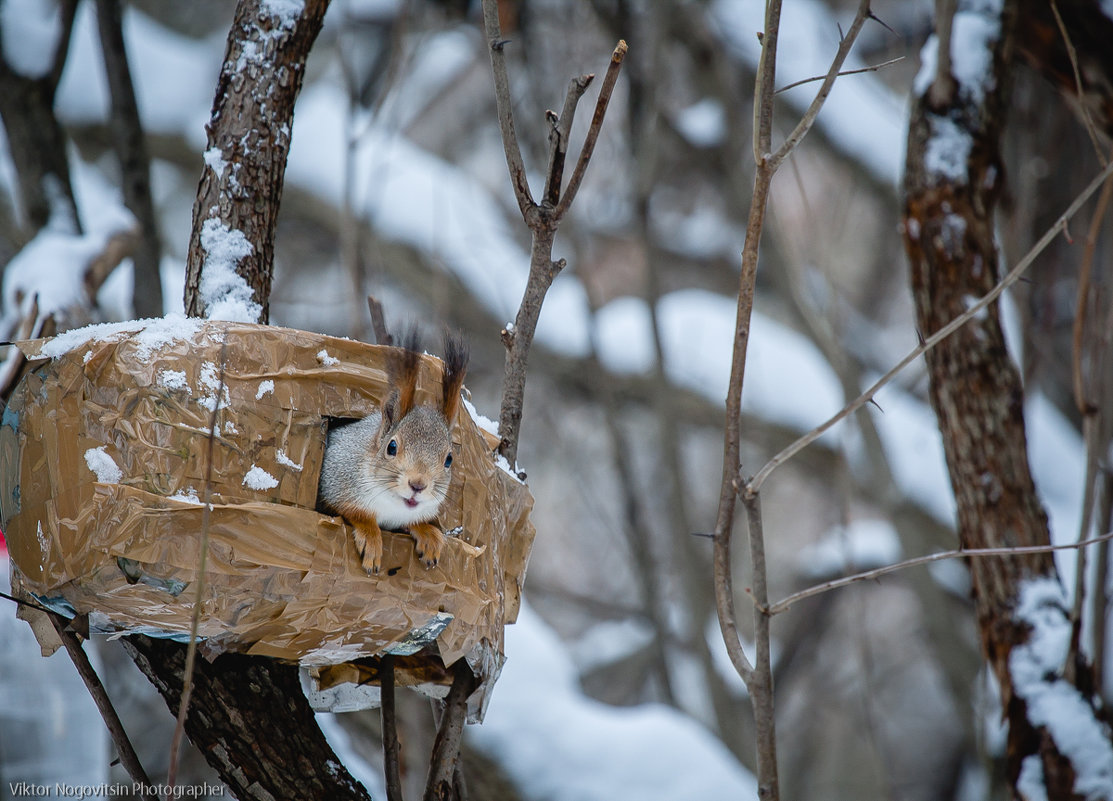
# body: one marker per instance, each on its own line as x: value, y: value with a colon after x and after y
x: 861, y: 545
x: 147, y: 336
x: 1054, y: 703
x: 703, y: 123
x: 98, y: 460
x: 259, y: 479
x: 265, y: 387
x: 287, y: 11
x: 188, y: 495
x: 173, y: 379
x: 284, y: 460
x: 482, y: 423
x: 29, y: 32
x: 224, y: 292
x: 948, y: 149
x: 564, y: 746
x: 214, y: 158
x: 324, y: 358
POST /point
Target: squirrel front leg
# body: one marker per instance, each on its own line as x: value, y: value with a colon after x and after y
x: 428, y: 542
x: 369, y: 542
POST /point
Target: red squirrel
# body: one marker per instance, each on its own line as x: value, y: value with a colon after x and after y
x: 392, y: 468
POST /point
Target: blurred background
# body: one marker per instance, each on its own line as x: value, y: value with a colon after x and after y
x: 617, y: 684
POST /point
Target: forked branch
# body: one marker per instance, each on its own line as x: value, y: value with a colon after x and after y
x: 542, y: 219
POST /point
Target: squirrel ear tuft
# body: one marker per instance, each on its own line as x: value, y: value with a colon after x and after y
x: 403, y: 365
x: 452, y: 380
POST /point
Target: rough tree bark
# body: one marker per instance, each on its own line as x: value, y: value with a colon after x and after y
x: 248, y: 715
x: 953, y: 177
x: 249, y: 139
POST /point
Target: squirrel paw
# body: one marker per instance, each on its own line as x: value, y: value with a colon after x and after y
x: 369, y: 546
x: 428, y: 543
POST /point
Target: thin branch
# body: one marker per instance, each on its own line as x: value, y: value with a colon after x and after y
x: 1085, y: 272
x: 765, y: 81
x: 605, y: 92
x: 446, y: 747
x: 1087, y: 119
x: 755, y: 483
x: 760, y: 682
x: 198, y: 601
x: 504, y: 108
x: 128, y: 758
x: 1099, y: 609
x: 872, y: 68
x: 542, y: 222
x: 827, y: 586
x: 390, y: 729
x: 558, y: 138
x: 25, y: 602
x: 806, y: 122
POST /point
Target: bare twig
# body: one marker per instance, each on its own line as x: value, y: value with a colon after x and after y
x: 755, y: 483
x: 605, y: 92
x: 558, y: 138
x: 1082, y: 304
x: 1099, y: 598
x: 868, y: 575
x: 1087, y: 119
x: 128, y: 758
x: 503, y: 106
x: 806, y: 122
x: 760, y: 681
x: 198, y: 602
x: 390, y: 729
x: 813, y: 79
x: 542, y: 220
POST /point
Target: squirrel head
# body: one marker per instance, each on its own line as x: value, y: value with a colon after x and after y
x: 413, y: 444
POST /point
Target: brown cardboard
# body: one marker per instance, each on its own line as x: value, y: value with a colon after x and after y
x: 281, y: 579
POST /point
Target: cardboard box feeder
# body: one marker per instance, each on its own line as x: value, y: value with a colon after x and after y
x: 106, y: 451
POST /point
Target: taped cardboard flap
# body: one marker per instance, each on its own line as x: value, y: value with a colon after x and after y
x: 106, y: 451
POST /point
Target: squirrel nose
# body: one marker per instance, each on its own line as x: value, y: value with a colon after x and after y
x: 417, y: 485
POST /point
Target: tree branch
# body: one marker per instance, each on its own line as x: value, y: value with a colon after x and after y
x: 446, y: 748
x: 558, y: 138
x: 390, y: 728
x: 128, y: 758
x: 605, y: 91
x: 806, y: 122
x: 503, y: 106
x: 868, y: 575
x: 755, y: 483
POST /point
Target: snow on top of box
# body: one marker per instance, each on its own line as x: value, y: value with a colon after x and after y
x: 148, y: 335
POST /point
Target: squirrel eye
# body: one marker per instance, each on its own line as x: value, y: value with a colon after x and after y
x: 448, y: 460
x: 392, y: 447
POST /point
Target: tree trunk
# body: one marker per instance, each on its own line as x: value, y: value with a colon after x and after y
x: 248, y: 715
x: 249, y: 140
x: 952, y: 182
